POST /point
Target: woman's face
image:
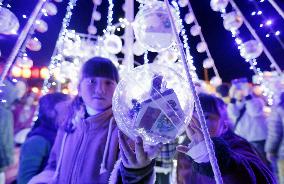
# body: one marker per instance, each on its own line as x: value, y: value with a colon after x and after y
x: 97, y: 92
x: 216, y: 125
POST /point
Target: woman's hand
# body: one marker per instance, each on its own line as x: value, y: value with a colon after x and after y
x: 194, y: 133
x: 141, y: 156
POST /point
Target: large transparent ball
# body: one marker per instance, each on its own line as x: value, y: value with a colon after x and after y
x: 152, y: 101
x: 251, y: 49
x: 152, y: 27
x: 9, y: 23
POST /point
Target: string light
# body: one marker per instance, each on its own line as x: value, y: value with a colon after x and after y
x: 253, y: 62
x: 185, y: 43
x: 110, y: 15
x: 58, y: 57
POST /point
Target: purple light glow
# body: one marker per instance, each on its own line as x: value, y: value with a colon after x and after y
x: 268, y: 23
x: 259, y: 12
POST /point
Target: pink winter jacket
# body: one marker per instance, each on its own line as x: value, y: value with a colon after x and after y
x: 82, y: 153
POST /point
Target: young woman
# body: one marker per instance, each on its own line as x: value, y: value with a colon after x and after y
x: 35, y: 151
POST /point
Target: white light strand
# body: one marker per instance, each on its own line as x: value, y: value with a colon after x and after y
x: 110, y: 15
x: 203, y: 40
x: 146, y: 60
x: 185, y: 43
x: 56, y: 58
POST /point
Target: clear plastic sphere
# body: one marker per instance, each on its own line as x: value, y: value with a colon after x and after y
x: 9, y: 23
x: 232, y: 21
x: 152, y: 27
x: 41, y: 26
x: 153, y: 101
x: 251, y: 49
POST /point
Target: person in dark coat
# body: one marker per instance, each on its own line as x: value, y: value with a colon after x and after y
x: 237, y: 159
x: 36, y: 149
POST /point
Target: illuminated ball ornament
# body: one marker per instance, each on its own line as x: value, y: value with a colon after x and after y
x: 113, y: 44
x: 152, y: 101
x: 189, y: 18
x: 208, y: 63
x: 51, y: 9
x: 251, y: 49
x: 195, y: 30
x: 41, y: 26
x: 201, y: 47
x: 34, y: 44
x: 9, y: 23
x: 219, y: 5
x: 96, y: 15
x: 232, y: 21
x: 216, y: 81
x: 152, y: 27
x: 97, y: 2
x: 182, y: 3
x: 92, y: 29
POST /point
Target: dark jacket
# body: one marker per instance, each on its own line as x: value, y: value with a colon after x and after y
x: 237, y: 160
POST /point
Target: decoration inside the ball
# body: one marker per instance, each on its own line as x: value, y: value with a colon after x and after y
x: 154, y: 102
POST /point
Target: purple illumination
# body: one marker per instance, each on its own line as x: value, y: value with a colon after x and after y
x: 268, y: 23
x: 267, y: 35
x: 259, y: 12
x: 24, y: 16
x: 261, y: 1
x: 253, y: 13
x: 260, y: 25
x: 277, y: 33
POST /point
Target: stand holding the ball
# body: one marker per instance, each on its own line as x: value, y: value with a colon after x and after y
x: 208, y: 141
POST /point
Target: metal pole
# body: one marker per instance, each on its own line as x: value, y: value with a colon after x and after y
x: 21, y: 40
x: 129, y: 36
x: 208, y: 141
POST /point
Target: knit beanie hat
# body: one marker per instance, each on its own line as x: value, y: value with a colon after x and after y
x: 99, y: 67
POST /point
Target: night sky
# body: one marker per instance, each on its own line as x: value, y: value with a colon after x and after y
x: 221, y: 44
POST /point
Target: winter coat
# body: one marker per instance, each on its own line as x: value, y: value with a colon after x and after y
x: 33, y: 158
x: 237, y: 161
x: 252, y: 126
x: 6, y: 138
x: 77, y: 157
x: 8, y: 93
x: 275, y: 140
x: 36, y: 149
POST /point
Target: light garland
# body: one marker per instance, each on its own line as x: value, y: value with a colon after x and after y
x: 110, y: 15
x: 253, y: 63
x: 185, y: 43
x: 268, y: 23
x: 56, y: 58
